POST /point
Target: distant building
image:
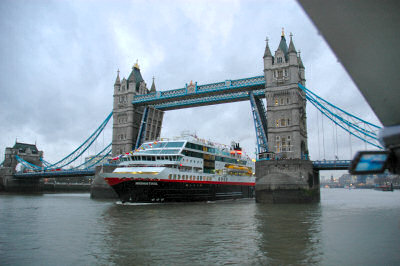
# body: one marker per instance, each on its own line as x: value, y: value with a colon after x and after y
x: 28, y: 152
x: 127, y: 118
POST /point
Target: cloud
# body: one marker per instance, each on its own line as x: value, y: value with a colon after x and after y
x: 59, y: 63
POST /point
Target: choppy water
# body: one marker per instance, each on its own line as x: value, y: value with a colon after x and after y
x: 348, y: 227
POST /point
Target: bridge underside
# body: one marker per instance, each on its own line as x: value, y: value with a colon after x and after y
x: 209, y: 94
x: 208, y: 100
x: 331, y: 165
x: 53, y: 174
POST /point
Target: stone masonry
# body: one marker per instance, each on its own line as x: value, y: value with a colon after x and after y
x: 289, y: 177
x: 127, y: 117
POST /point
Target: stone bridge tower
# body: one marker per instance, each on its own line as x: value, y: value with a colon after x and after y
x: 29, y: 153
x: 289, y: 176
x: 127, y: 117
x: 286, y: 102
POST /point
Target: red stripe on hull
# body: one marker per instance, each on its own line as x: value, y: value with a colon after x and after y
x: 115, y: 180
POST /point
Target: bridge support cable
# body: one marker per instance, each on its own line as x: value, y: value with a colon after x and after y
x: 45, y: 163
x: 357, y: 127
x: 95, y: 159
x: 260, y: 122
x: 142, y: 128
x: 28, y: 164
x: 73, y: 155
x: 82, y: 148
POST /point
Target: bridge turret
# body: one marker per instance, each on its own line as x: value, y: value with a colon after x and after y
x: 294, y: 74
x: 268, y: 61
x: 153, y: 87
x: 301, y: 70
x: 292, y: 52
x: 117, y: 83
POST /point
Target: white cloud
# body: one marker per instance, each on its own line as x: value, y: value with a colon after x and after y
x: 60, y: 61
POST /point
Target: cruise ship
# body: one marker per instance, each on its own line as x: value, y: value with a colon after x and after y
x: 183, y: 169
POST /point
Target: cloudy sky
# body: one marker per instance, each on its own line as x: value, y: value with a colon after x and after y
x: 59, y: 61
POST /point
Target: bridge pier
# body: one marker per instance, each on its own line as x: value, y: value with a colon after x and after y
x: 9, y: 183
x: 286, y: 181
x: 99, y: 188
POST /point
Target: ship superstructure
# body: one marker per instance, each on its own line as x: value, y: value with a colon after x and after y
x: 183, y: 169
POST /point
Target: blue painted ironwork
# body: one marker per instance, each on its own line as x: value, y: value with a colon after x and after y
x: 82, y: 148
x: 45, y: 163
x: 356, y: 126
x: 72, y: 156
x: 260, y: 122
x: 28, y: 164
x: 94, y: 160
x: 142, y: 128
x: 229, y: 86
x: 332, y: 164
x: 208, y: 100
x: 54, y: 174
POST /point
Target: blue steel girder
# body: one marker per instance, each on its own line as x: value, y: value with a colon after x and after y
x: 209, y: 100
x: 55, y: 174
x: 332, y: 165
x: 260, y: 122
x: 142, y: 128
x: 227, y: 87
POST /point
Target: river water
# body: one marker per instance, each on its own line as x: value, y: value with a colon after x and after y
x: 348, y: 227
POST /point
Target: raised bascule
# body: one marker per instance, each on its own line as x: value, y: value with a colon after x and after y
x: 284, y: 171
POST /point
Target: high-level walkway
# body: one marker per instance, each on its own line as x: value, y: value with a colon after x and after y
x: 199, y: 95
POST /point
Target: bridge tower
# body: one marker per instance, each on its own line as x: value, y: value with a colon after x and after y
x: 286, y: 102
x: 289, y: 175
x: 127, y: 118
x: 27, y: 152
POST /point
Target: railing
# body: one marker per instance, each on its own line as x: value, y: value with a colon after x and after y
x: 61, y: 173
x: 200, y: 89
x: 332, y: 164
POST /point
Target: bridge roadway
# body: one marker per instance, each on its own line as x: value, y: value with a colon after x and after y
x: 54, y: 174
x: 194, y: 95
x: 318, y: 165
x: 332, y: 165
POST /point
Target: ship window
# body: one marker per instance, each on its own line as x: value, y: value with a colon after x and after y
x: 169, y: 152
x: 158, y: 145
x: 169, y: 176
x: 174, y: 144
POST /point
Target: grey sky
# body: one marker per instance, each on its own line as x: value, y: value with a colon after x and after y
x: 59, y: 61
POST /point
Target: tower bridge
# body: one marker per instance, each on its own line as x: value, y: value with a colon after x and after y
x: 278, y: 103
